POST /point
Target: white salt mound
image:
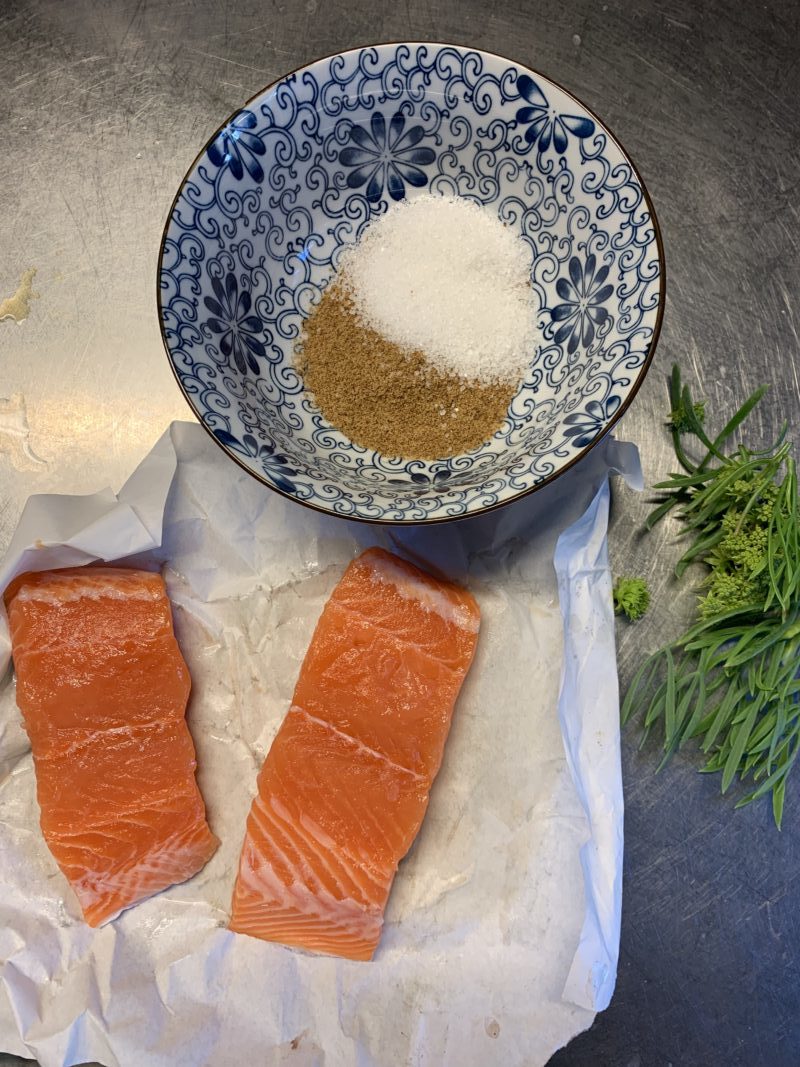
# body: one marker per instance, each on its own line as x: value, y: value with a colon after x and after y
x: 443, y: 276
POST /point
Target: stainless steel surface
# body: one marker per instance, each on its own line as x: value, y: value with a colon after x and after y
x: 103, y: 107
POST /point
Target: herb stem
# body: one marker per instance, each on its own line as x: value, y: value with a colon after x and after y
x: 731, y: 682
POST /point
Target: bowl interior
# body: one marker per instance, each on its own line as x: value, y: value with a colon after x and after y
x: 261, y: 219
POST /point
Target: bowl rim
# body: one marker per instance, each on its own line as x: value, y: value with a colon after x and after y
x: 548, y: 479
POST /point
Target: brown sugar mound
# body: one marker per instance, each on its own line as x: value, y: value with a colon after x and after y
x: 385, y: 398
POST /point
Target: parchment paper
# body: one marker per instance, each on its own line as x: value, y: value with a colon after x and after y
x: 502, y: 930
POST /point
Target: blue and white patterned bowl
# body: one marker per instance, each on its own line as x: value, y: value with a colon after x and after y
x: 259, y: 223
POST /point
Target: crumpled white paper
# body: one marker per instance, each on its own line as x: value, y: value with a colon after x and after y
x: 502, y: 930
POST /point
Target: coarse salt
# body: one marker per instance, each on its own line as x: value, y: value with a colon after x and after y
x: 443, y: 276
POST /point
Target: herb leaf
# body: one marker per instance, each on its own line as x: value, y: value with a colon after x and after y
x: 732, y: 681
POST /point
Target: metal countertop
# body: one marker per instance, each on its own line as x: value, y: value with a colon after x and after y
x: 104, y: 105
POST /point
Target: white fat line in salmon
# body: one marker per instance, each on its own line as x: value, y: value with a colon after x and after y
x: 428, y: 597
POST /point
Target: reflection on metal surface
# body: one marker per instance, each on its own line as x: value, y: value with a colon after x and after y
x: 103, y: 109
x: 18, y: 306
x: 15, y: 434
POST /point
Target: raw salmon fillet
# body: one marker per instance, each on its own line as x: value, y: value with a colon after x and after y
x: 102, y: 687
x: 344, y: 788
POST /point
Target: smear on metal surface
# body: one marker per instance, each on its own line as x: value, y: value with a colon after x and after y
x: 15, y: 434
x: 18, y: 306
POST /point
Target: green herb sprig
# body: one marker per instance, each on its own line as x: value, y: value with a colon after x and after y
x: 631, y: 598
x: 732, y: 680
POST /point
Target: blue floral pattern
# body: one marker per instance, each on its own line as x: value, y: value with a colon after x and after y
x: 262, y: 219
x: 236, y: 146
x: 545, y: 125
x: 585, y: 426
x: 276, y: 466
x: 239, y: 330
x: 583, y: 295
x: 386, y: 158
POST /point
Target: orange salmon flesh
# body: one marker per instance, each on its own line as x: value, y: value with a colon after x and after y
x: 103, y: 687
x: 344, y: 788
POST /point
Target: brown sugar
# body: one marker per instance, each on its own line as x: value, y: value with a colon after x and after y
x: 386, y: 398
